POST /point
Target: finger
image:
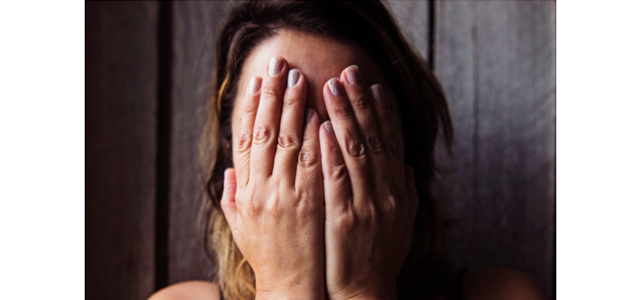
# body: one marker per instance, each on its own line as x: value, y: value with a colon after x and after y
x: 348, y: 136
x: 247, y: 120
x: 309, y: 169
x: 228, y: 201
x: 290, y: 135
x: 267, y: 122
x: 337, y: 185
x: 361, y: 103
x: 388, y: 134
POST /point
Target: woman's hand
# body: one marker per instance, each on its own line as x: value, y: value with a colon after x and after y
x: 273, y: 200
x: 370, y: 197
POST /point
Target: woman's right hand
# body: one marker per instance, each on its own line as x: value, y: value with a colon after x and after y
x: 273, y: 200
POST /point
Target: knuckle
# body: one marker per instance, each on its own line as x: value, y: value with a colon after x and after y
x: 390, y: 206
x: 270, y: 91
x: 342, y: 112
x: 355, y: 148
x: 346, y: 221
x: 286, y: 141
x: 307, y: 203
x: 290, y: 102
x: 273, y: 211
x: 251, y: 204
x: 252, y: 208
x: 368, y: 216
x: 307, y: 158
x: 262, y: 134
x: 358, y: 101
x: 245, y: 142
x: 307, y: 137
x: 374, y: 144
x: 338, y: 171
x: 250, y: 108
x: 272, y: 206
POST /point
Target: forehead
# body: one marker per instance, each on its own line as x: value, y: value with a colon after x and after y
x: 318, y: 58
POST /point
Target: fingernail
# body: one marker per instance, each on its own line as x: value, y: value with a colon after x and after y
x: 378, y: 95
x: 335, y: 87
x: 275, y: 66
x: 293, y: 78
x: 309, y: 115
x: 254, y: 86
x: 328, y: 127
x: 353, y: 75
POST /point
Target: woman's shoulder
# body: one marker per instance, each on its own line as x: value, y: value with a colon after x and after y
x: 500, y: 283
x: 192, y: 290
x: 483, y: 283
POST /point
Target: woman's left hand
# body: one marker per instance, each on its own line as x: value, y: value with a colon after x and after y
x: 370, y: 197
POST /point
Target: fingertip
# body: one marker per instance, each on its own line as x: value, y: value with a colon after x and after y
x: 277, y: 64
x: 295, y: 78
x: 311, y: 130
x: 328, y: 128
x: 310, y: 115
x: 229, y: 172
x: 377, y: 92
x: 229, y: 180
x: 352, y: 76
x: 254, y: 85
x: 328, y: 140
x: 335, y: 88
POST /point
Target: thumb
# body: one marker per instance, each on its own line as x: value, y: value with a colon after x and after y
x: 228, y: 201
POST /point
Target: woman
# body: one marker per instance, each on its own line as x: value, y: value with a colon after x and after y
x: 320, y: 187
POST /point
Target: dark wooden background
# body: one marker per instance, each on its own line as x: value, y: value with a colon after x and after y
x: 148, y: 69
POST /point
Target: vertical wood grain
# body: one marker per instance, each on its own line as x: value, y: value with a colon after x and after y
x: 413, y: 19
x: 121, y: 67
x: 496, y: 61
x: 194, y: 30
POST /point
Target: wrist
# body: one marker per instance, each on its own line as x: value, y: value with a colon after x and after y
x: 378, y: 293
x: 284, y: 289
x: 288, y: 294
x: 374, y: 296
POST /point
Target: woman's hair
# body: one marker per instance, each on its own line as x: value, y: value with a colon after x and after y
x: 423, y: 108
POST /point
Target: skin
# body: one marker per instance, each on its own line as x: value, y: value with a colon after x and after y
x: 295, y: 191
x: 322, y: 208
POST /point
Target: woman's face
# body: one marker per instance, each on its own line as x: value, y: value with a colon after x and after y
x: 319, y: 59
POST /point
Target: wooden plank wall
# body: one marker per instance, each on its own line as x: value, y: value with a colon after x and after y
x: 193, y: 42
x: 121, y: 102
x: 496, y: 61
x: 149, y: 68
x: 413, y: 17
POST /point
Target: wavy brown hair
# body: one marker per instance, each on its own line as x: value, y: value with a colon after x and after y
x: 421, y: 102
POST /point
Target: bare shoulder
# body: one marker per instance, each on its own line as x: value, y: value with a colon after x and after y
x: 500, y: 283
x: 188, y: 290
